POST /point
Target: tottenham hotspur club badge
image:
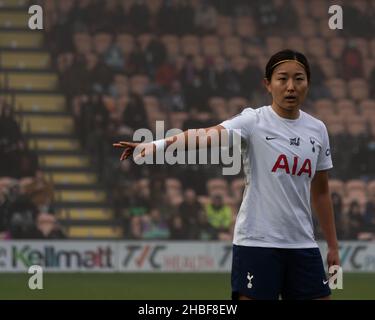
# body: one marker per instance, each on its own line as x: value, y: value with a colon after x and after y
x: 312, y: 141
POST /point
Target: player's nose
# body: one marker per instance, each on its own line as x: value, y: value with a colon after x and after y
x: 290, y: 85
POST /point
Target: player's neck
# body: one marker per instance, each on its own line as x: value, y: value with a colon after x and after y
x: 285, y: 113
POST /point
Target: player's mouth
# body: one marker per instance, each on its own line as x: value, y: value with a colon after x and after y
x: 291, y: 98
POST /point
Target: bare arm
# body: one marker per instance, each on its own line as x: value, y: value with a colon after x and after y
x: 189, y: 139
x: 322, y: 204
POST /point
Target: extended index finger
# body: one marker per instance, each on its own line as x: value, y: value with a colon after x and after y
x: 123, y: 144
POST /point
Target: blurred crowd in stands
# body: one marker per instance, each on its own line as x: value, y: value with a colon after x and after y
x: 26, y: 196
x: 193, y: 63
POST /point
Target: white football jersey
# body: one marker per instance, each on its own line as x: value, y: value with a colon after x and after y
x: 280, y: 158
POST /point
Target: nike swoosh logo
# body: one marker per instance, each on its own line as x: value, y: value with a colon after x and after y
x: 270, y: 138
x: 325, y: 281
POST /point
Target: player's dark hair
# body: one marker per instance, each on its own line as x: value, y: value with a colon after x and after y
x: 283, y: 56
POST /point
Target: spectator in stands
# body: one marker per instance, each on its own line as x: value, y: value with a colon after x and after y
x: 371, y: 83
x: 49, y: 227
x: 10, y: 138
x: 114, y: 58
x: 356, y: 222
x: 205, y: 19
x: 318, y: 90
x: 136, y: 62
x: 135, y: 115
x: 351, y: 63
x: 22, y: 215
x: 194, y: 79
x: 178, y: 229
x: 139, y: 16
x: 154, y: 226
x: 109, y: 18
x: 97, y: 74
x: 185, y: 18
x: 156, y: 54
x: 24, y: 162
x: 218, y: 77
x: 369, y: 216
x: 167, y: 18
x: 190, y: 210
x: 337, y: 209
x: 175, y: 100
x: 40, y: 191
x: 219, y: 216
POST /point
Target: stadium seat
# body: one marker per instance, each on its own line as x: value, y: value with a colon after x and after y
x: 337, y: 186
x: 79, y: 196
x: 316, y: 47
x: 322, y: 106
x: 126, y: 43
x: 239, y: 63
x: 346, y: 108
x: 355, y: 185
x: 274, y: 44
x: 301, y: 8
x: 335, y: 125
x: 232, y: 47
x: 102, y: 42
x: 173, y: 183
x: 236, y: 105
x: 211, y: 46
x: 368, y: 66
x: 144, y: 39
x: 356, y: 125
x: 371, y: 189
x: 367, y: 108
x: 33, y: 81
x: 94, y: 232
x: 224, y: 26
x: 324, y: 31
x: 337, y: 88
x: 85, y: 214
x: 217, y: 105
x: 82, y: 42
x: 138, y: 84
x: 328, y: 67
x: 362, y: 45
x: 190, y: 45
x: 336, y: 46
x: 253, y: 52
x: 37, y: 124
x: 154, y: 5
x: 308, y: 28
x: 358, y: 89
x: 372, y: 48
x: 317, y: 9
x: 40, y: 102
x: 356, y: 196
x: 177, y: 119
x: 27, y: 60
x: 151, y: 103
x: 296, y: 43
x: 20, y: 39
x: 245, y: 27
x: 172, y: 44
x: 73, y: 178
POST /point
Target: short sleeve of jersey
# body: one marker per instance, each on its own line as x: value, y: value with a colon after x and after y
x: 324, y: 159
x: 242, y: 123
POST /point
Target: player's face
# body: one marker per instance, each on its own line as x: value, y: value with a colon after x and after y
x: 288, y: 86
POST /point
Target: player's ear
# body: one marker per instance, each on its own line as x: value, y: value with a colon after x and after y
x: 267, y: 84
